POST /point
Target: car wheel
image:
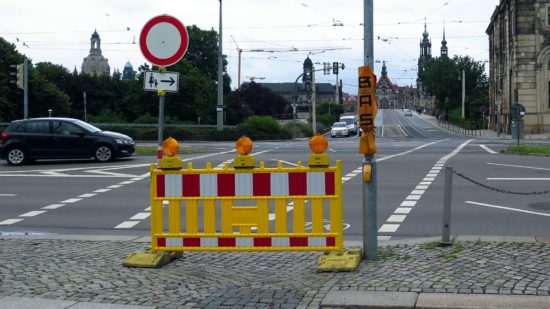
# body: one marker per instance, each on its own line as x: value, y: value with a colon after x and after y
x: 16, y: 156
x: 103, y: 153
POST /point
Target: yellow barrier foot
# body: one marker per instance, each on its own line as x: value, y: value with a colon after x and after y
x: 338, y: 262
x: 150, y: 259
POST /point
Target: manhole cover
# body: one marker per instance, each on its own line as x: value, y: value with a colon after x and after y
x: 540, y: 206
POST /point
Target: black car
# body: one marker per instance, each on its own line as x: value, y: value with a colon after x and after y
x: 61, y: 138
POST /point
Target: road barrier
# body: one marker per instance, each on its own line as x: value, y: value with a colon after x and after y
x: 259, y: 208
x: 198, y: 196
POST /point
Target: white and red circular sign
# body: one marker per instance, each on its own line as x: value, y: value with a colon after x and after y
x: 163, y: 40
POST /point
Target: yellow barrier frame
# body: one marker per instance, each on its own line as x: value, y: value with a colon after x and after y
x: 245, y: 218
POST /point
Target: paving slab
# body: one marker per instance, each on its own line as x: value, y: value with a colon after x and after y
x: 85, y: 305
x: 371, y: 300
x: 480, y: 301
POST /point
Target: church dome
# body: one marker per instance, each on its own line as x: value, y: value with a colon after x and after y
x: 128, y: 65
x: 308, y: 62
x: 425, y: 34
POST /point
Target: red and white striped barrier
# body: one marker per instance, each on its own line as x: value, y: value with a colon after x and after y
x: 246, y: 184
x: 246, y: 242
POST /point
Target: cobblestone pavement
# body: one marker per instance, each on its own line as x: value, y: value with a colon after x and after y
x: 92, y: 271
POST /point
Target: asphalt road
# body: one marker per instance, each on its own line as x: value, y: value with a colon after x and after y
x: 85, y: 197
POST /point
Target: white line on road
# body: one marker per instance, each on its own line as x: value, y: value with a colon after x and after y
x: 102, y: 190
x: 524, y: 178
x: 71, y: 200
x: 87, y: 195
x: 127, y: 225
x: 285, y: 162
x: 520, y: 166
x: 141, y: 216
x: 7, y: 194
x: 489, y: 150
x: 10, y: 221
x: 508, y: 208
x: 53, y: 206
x: 32, y: 213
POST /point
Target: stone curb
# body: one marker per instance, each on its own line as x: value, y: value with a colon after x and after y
x: 10, y: 302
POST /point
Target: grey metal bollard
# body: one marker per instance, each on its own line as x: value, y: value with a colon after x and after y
x: 447, y: 199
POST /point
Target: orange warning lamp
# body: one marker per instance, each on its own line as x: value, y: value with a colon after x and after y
x: 170, y: 147
x: 243, y: 160
x: 318, y: 144
x: 244, y: 145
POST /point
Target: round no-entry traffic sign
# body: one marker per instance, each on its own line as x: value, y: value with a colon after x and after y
x: 163, y: 40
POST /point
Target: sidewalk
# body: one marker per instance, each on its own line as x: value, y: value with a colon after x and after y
x: 49, y: 271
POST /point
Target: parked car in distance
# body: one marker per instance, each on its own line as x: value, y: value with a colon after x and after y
x: 339, y: 129
x: 61, y: 138
x: 408, y: 112
x: 351, y: 121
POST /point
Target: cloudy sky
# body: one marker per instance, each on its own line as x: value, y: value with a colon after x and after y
x: 59, y: 31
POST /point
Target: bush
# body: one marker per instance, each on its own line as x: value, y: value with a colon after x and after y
x: 262, y: 127
x: 107, y: 116
x: 302, y: 129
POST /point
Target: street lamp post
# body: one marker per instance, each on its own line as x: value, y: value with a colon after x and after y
x: 219, y: 107
x: 50, y: 112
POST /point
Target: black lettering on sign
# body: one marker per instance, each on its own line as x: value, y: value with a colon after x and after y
x: 366, y: 120
x: 365, y: 99
x: 364, y: 82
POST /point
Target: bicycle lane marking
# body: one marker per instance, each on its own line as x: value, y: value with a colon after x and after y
x: 405, y: 208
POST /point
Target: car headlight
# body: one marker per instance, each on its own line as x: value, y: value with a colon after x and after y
x: 124, y: 141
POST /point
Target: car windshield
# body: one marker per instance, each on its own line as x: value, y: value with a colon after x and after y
x: 339, y: 125
x: 348, y: 120
x: 87, y: 126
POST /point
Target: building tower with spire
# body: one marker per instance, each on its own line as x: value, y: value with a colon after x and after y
x: 424, y: 101
x: 387, y: 93
x: 95, y: 63
x: 444, y: 49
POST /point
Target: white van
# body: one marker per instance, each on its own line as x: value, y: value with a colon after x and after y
x: 351, y: 121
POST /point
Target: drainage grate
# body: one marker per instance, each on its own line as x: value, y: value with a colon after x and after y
x: 540, y: 206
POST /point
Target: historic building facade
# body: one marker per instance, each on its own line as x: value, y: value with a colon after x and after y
x: 95, y: 63
x: 423, y: 99
x: 519, y: 63
x: 387, y: 94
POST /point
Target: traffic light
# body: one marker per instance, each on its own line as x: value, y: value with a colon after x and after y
x: 16, y: 75
x: 335, y: 68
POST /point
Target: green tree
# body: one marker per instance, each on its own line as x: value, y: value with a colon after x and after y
x: 253, y: 99
x: 441, y: 79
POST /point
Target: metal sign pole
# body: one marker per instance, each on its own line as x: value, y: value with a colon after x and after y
x: 370, y: 222
x: 161, y: 94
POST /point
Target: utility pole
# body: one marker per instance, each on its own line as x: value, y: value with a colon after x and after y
x: 219, y: 107
x: 370, y: 222
x: 313, y: 102
x: 463, y: 78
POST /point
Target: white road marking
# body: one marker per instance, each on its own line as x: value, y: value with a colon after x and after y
x: 127, y: 182
x: 401, y: 213
x: 529, y: 179
x: 388, y: 228
x: 509, y: 209
x: 32, y: 213
x: 71, y: 200
x: 141, y: 216
x: 127, y: 225
x: 7, y: 194
x: 402, y: 210
x: 396, y: 218
x: 521, y: 166
x: 10, y: 221
x: 102, y: 190
x: 114, y: 186
x: 489, y: 150
x: 53, y: 206
x: 87, y: 195
x: 344, y: 179
x: 407, y: 152
x: 285, y: 162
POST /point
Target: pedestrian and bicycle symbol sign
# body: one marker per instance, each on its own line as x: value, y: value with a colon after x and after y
x: 167, y: 81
